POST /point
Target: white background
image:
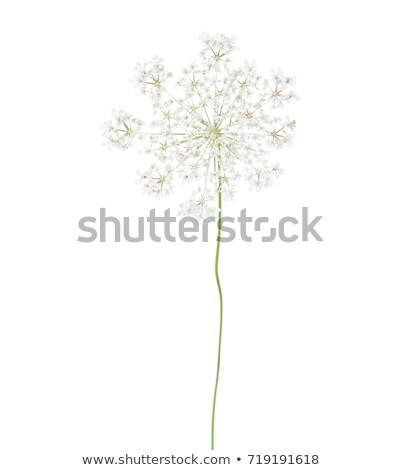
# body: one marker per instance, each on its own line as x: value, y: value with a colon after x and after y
x: 108, y: 349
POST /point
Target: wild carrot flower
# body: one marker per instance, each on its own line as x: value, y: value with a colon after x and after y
x: 214, y: 130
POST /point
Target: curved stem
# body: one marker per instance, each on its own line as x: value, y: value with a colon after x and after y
x: 218, y: 244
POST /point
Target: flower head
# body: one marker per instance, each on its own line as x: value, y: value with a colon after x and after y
x: 214, y: 130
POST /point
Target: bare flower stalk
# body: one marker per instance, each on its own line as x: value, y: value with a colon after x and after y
x: 218, y: 282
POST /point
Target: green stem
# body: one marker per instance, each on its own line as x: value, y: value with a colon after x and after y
x: 218, y: 244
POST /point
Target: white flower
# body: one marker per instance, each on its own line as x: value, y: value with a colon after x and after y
x: 217, y: 50
x: 214, y: 129
x: 260, y: 175
x: 121, y: 131
x: 157, y: 180
x: 201, y: 204
x: 152, y: 77
x: 280, y: 132
x: 192, y: 169
x: 277, y: 170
